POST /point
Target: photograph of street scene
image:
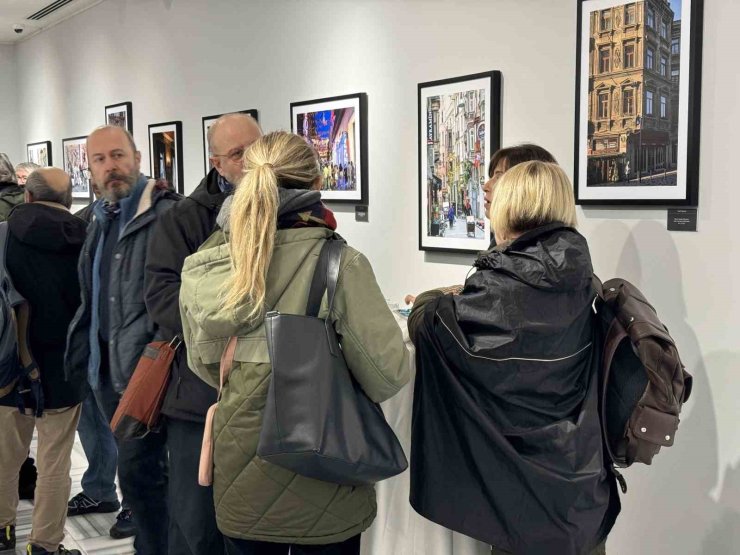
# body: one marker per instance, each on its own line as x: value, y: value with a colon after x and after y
x: 455, y: 164
x: 76, y: 165
x: 633, y: 99
x: 333, y: 133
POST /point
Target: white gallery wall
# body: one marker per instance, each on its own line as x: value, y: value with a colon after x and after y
x: 10, y: 138
x: 184, y: 59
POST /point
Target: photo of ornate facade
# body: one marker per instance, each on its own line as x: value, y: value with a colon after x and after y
x: 633, y: 94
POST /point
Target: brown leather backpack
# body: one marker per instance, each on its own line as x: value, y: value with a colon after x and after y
x: 643, y: 382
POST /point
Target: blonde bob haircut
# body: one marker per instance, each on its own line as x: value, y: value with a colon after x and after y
x: 276, y: 160
x: 531, y: 195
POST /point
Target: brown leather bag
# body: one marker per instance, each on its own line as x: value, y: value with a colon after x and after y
x: 205, y: 468
x: 644, y: 383
x: 138, y: 410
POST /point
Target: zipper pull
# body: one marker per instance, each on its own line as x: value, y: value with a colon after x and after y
x: 620, y: 479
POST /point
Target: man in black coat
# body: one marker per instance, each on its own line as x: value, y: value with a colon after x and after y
x: 180, y: 232
x: 44, y: 242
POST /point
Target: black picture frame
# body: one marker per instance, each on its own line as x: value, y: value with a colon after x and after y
x: 166, y: 139
x: 77, y: 164
x: 612, y: 162
x: 434, y: 191
x: 113, y: 115
x: 299, y: 112
x: 206, y: 123
x: 36, y: 151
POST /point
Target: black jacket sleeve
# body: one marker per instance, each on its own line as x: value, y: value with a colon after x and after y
x: 178, y: 233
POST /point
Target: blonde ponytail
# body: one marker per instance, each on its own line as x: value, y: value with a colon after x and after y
x: 254, y: 210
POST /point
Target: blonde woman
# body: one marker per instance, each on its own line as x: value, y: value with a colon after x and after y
x: 264, y: 259
x: 506, y: 441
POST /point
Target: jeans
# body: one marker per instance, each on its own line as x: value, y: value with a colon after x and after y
x: 193, y: 529
x: 98, y: 481
x: 142, y: 473
x: 248, y: 547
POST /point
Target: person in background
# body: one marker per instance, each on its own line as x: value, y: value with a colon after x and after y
x: 99, y: 493
x: 44, y: 243
x: 111, y: 328
x: 23, y: 170
x: 11, y: 195
x: 180, y: 231
x: 272, y: 230
x: 506, y: 443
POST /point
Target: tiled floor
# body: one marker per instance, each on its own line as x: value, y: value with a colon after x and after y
x: 88, y: 533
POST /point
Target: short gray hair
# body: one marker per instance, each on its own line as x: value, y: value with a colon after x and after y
x: 28, y: 166
x: 40, y: 190
x: 7, y: 172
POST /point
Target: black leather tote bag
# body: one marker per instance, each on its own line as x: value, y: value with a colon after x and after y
x: 317, y: 420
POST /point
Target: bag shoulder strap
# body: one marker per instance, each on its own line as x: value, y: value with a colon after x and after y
x: 325, y: 275
x: 227, y: 361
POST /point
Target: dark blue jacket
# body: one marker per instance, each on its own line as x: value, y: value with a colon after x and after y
x: 130, y: 326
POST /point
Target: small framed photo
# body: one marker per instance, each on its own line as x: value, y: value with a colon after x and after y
x: 39, y: 153
x: 638, y: 102
x: 459, y: 130
x: 207, y: 122
x: 165, y: 153
x: 74, y: 153
x: 120, y: 115
x: 337, y: 128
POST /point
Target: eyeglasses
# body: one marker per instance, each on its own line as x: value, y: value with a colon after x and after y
x: 235, y: 155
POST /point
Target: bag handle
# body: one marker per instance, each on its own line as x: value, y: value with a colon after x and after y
x: 227, y: 361
x: 325, y: 276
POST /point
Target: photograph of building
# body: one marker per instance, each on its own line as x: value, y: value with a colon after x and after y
x: 633, y: 93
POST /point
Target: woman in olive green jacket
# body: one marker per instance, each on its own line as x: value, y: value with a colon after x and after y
x: 264, y: 259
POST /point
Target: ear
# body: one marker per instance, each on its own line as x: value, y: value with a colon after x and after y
x: 137, y: 158
x: 316, y: 185
x: 216, y: 161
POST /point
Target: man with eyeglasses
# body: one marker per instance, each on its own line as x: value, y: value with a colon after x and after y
x: 192, y: 525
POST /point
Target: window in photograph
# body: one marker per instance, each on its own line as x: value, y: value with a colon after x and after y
x: 606, y: 20
x: 675, y: 46
x: 664, y: 29
x: 648, y: 103
x: 628, y: 102
x: 650, y: 18
x: 604, y: 105
x: 629, y: 56
x: 663, y: 106
x: 649, y: 59
x: 629, y: 14
x: 604, y: 60
x: 663, y: 66
x: 674, y: 75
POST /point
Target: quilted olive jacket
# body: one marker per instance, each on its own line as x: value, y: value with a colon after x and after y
x: 254, y: 499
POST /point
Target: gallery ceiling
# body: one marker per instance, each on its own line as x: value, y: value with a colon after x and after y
x: 35, y: 15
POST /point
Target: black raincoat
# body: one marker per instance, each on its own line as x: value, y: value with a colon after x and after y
x: 506, y: 443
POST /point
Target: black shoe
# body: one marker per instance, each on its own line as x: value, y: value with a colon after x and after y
x: 81, y: 504
x: 61, y: 550
x: 7, y: 538
x: 124, y: 526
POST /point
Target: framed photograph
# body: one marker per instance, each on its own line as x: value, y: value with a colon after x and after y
x: 165, y: 153
x: 638, y: 102
x: 74, y: 153
x: 120, y: 115
x: 337, y: 128
x: 459, y: 130
x: 207, y: 122
x: 39, y: 153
